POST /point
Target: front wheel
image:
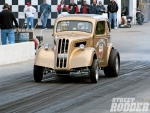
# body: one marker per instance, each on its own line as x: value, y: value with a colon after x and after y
x: 38, y: 73
x: 94, y: 71
x: 113, y: 68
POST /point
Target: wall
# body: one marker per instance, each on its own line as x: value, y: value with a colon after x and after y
x: 14, y: 53
x: 17, y: 7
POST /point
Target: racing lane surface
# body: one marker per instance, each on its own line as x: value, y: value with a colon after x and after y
x: 75, y: 93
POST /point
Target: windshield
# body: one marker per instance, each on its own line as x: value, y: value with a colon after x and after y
x: 74, y: 25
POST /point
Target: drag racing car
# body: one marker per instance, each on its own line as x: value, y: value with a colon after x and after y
x: 81, y: 42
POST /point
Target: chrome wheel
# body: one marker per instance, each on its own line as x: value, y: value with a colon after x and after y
x: 94, y: 71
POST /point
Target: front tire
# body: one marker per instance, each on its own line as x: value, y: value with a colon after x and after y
x: 94, y: 71
x: 113, y: 68
x: 38, y: 73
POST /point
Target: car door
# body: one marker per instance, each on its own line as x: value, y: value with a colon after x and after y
x: 100, y: 41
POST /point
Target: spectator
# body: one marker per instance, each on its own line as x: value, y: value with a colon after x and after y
x: 45, y: 9
x: 125, y: 11
x: 84, y: 8
x: 64, y: 12
x: 124, y: 14
x: 29, y: 11
x: 112, y: 10
x: 93, y: 8
x: 100, y: 8
x: 61, y: 6
x: 6, y: 22
x: 73, y: 8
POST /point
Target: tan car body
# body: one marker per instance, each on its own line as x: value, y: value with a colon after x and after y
x: 97, y: 46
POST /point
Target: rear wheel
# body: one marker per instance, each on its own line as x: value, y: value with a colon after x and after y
x: 94, y: 71
x: 38, y: 73
x: 112, y: 70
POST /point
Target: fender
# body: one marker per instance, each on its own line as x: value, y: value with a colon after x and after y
x: 82, y: 58
x: 45, y: 58
x: 109, y: 48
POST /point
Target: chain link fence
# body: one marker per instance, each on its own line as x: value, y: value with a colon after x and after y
x: 144, y: 5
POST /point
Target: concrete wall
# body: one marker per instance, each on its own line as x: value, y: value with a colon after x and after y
x: 18, y: 52
x: 17, y: 8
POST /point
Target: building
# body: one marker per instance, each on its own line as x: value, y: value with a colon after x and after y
x: 17, y: 6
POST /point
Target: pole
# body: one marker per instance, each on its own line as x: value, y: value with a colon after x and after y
x: 39, y: 19
x: 23, y: 24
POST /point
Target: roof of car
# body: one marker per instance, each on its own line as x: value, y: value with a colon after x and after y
x: 94, y: 16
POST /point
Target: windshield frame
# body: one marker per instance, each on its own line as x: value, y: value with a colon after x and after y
x: 80, y: 21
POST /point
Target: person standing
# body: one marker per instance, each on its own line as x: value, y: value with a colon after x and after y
x: 100, y: 8
x: 73, y: 8
x: 124, y: 14
x: 6, y: 22
x: 84, y: 8
x: 30, y: 11
x: 61, y: 6
x: 93, y: 8
x: 64, y: 12
x: 112, y: 10
x: 46, y: 8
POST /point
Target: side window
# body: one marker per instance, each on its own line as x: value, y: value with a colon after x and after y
x: 100, y: 28
x: 108, y: 27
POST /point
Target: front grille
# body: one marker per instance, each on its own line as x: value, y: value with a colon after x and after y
x: 62, y: 53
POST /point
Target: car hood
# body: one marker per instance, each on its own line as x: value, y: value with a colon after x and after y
x: 73, y: 37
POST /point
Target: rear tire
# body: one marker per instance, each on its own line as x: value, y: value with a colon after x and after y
x: 38, y: 73
x: 94, y: 71
x: 112, y: 70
